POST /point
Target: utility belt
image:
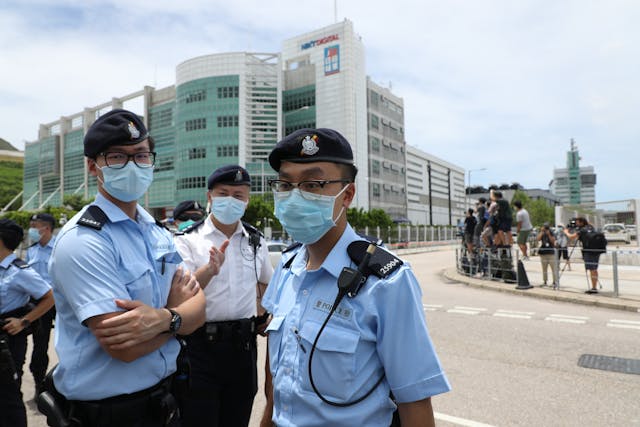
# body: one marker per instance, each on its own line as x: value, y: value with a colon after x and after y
x: 19, y: 313
x: 154, y: 403
x: 241, y: 332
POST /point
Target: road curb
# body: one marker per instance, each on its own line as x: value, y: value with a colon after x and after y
x: 599, y: 300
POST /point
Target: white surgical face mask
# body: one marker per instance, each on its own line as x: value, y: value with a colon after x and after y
x: 128, y: 183
x: 227, y: 210
x: 306, y: 220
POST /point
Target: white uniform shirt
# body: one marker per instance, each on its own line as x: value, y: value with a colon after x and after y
x: 231, y: 295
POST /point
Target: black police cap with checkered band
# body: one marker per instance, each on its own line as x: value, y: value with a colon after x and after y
x: 117, y: 127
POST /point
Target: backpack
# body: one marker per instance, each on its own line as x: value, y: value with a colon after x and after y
x: 594, y: 241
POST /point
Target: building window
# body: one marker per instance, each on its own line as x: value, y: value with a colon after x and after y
x: 191, y: 182
x: 228, y: 92
x: 227, y: 151
x: 196, y: 96
x: 375, y: 167
x: 197, y: 153
x: 374, y: 121
x: 375, y: 188
x: 375, y: 144
x: 195, y: 124
x: 228, y: 121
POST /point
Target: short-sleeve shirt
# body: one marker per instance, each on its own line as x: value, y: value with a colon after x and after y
x: 380, y: 331
x: 18, y: 285
x: 231, y: 294
x: 90, y: 269
x: 523, y: 216
x: 38, y: 257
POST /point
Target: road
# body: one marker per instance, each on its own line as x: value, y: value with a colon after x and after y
x: 512, y: 360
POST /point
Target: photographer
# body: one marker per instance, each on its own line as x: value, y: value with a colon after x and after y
x: 18, y: 283
x: 581, y: 231
x: 547, y: 253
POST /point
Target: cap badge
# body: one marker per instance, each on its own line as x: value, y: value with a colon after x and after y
x: 309, y: 145
x: 238, y: 177
x: 135, y: 133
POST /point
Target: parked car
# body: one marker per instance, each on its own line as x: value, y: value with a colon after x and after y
x: 633, y: 231
x: 275, y: 252
x: 616, y: 233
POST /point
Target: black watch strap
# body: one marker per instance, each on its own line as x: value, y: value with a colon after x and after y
x: 175, y: 323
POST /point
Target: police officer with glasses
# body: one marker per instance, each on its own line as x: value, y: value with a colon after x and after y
x: 121, y: 291
x: 18, y: 284
x: 348, y: 340
x: 223, y: 352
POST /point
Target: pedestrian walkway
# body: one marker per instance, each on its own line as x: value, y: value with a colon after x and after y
x: 573, y: 283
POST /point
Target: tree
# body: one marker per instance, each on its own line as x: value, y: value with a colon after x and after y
x: 539, y: 211
x: 260, y: 210
x: 75, y: 201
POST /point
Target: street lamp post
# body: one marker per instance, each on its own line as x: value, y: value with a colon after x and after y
x: 469, y: 185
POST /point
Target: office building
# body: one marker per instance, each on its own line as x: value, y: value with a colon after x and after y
x: 574, y: 185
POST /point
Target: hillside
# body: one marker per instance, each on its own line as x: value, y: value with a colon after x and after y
x: 5, y: 145
x: 10, y: 182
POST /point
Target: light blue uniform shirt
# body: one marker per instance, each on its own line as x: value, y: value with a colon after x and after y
x: 17, y: 285
x: 381, y: 330
x: 90, y: 269
x: 38, y: 258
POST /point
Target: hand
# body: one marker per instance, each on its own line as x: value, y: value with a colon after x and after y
x: 183, y: 286
x: 139, y: 324
x: 216, y: 258
x: 13, y: 326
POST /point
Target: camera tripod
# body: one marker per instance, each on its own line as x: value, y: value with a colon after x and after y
x: 573, y: 247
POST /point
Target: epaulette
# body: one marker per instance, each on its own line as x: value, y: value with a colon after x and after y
x: 20, y: 263
x: 161, y: 224
x: 381, y: 263
x: 190, y: 228
x: 289, y: 248
x: 93, y: 217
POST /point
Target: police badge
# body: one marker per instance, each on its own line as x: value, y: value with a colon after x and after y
x: 135, y: 133
x: 309, y: 145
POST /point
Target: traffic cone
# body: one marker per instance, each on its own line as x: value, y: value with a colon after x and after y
x: 523, y: 280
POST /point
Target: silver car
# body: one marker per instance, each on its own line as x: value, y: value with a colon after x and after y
x: 616, y: 233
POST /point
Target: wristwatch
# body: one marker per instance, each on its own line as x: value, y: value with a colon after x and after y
x: 25, y: 322
x: 176, y: 321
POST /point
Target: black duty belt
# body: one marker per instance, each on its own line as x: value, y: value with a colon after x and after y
x: 156, y: 401
x: 228, y: 331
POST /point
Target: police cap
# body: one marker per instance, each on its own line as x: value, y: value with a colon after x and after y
x: 117, y: 127
x: 45, y: 217
x: 187, y: 205
x: 230, y: 175
x: 312, y: 145
x: 10, y: 233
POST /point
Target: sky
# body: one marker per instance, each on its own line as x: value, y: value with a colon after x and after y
x: 499, y: 85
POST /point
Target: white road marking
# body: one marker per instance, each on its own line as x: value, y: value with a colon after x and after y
x: 459, y: 421
x: 514, y: 314
x: 431, y: 307
x: 460, y: 307
x: 625, y: 324
x: 567, y: 319
x: 455, y: 310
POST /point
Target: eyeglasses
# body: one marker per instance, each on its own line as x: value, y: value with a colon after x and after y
x: 118, y: 160
x: 312, y: 186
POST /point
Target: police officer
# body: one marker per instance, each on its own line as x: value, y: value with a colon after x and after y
x: 18, y: 283
x: 187, y: 213
x: 223, y: 352
x: 376, y: 340
x: 41, y: 234
x: 121, y: 292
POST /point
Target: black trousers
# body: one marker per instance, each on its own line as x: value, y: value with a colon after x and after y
x: 12, y: 409
x: 224, y: 381
x: 40, y: 353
